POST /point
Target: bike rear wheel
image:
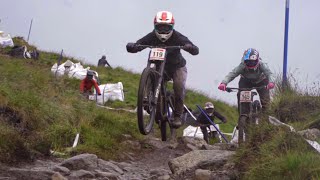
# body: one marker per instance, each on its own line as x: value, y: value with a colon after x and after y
x: 167, y: 113
x: 146, y: 102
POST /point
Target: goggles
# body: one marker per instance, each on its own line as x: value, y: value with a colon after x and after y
x: 251, y: 63
x: 163, y: 28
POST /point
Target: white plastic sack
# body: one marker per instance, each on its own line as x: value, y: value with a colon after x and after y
x: 71, y: 69
x: 5, y: 40
x: 192, y: 131
x: 235, y: 134
x: 109, y: 92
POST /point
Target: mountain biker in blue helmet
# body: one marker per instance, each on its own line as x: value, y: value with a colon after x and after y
x: 164, y: 34
x: 254, y: 73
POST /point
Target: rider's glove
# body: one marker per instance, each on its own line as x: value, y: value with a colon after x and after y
x: 270, y: 85
x: 224, y: 121
x: 99, y: 94
x: 222, y: 86
x: 188, y: 47
x: 131, y: 46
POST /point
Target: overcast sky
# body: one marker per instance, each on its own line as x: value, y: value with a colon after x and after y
x: 222, y: 29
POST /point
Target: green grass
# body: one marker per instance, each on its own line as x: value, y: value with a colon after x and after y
x: 40, y: 112
x: 275, y: 152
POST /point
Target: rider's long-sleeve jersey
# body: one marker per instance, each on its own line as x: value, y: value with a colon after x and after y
x: 174, y: 56
x: 203, y: 120
x: 86, y: 85
x: 261, y: 73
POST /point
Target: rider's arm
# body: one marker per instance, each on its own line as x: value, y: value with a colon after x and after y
x: 219, y: 116
x: 266, y: 71
x: 146, y: 40
x: 234, y: 73
x: 183, y: 40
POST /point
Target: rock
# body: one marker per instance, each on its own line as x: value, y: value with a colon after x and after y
x: 109, y: 167
x: 164, y: 177
x: 154, y: 143
x: 107, y: 175
x: 197, y: 142
x: 159, y: 172
x: 192, y: 147
x: 61, y: 169
x: 39, y: 174
x: 201, y: 174
x: 58, y: 176
x: 203, y: 159
x: 82, y: 161
x: 81, y: 174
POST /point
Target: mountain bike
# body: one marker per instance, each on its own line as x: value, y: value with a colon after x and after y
x: 248, y: 109
x: 153, y: 96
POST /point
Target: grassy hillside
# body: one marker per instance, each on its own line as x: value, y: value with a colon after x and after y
x: 275, y: 152
x: 40, y: 113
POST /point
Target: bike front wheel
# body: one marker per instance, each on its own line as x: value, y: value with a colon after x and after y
x: 241, y: 129
x: 146, y: 106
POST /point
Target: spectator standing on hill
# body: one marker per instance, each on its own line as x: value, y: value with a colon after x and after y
x: 103, y: 62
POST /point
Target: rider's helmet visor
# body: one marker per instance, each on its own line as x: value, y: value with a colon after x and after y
x: 163, y: 28
x: 251, y: 63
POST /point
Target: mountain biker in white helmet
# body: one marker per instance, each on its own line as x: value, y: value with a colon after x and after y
x: 211, y: 113
x: 254, y: 73
x: 164, y: 34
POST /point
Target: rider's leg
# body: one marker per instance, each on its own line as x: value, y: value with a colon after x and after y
x: 204, y: 131
x: 179, y: 82
x: 264, y: 95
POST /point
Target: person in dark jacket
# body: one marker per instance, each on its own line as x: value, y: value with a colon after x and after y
x: 87, y: 83
x: 205, y: 124
x: 165, y: 34
x: 103, y: 62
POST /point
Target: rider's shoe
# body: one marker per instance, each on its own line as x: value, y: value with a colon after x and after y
x: 176, y: 122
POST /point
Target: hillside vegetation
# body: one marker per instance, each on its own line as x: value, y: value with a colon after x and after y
x: 40, y: 112
x: 276, y: 153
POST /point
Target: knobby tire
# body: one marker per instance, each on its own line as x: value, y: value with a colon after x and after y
x: 241, y: 129
x: 146, y: 89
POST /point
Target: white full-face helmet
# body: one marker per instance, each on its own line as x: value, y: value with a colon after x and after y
x: 163, y: 25
x: 209, y: 108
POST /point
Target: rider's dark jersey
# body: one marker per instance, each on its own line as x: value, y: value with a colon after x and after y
x: 174, y: 56
x: 203, y: 120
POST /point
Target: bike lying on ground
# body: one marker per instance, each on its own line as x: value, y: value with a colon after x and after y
x: 153, y: 96
x: 248, y: 109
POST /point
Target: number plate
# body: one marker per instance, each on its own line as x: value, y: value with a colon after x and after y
x: 157, y: 54
x: 245, y: 96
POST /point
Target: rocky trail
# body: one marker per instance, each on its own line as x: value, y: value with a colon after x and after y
x: 186, y: 158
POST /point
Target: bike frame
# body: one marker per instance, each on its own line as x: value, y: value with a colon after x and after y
x: 157, y: 68
x: 245, y: 106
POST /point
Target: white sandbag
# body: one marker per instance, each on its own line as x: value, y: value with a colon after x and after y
x: 5, y: 40
x: 109, y: 92
x: 75, y: 70
x: 192, y: 131
x: 235, y: 134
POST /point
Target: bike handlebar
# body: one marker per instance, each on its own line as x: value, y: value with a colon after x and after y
x: 230, y: 89
x: 164, y: 47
